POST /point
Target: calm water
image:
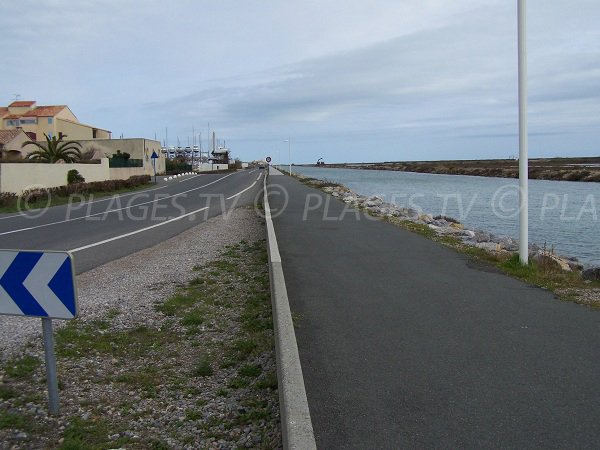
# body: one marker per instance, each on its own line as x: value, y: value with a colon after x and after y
x: 562, y: 214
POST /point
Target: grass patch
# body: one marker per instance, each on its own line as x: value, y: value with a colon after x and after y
x: 76, y: 340
x: 203, y: 367
x: 222, y: 393
x: 21, y: 368
x: 250, y: 370
x: 15, y: 421
x: 176, y: 303
x: 89, y: 435
x: 193, y: 414
x: 238, y: 383
x: 242, y: 348
x: 269, y: 381
x: 193, y: 317
x: 6, y: 393
x: 146, y: 379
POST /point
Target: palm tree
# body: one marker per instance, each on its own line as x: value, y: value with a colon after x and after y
x: 55, y: 150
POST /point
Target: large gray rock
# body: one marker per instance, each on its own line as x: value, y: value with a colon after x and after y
x: 509, y: 244
x: 373, y: 201
x: 482, y: 236
x: 488, y: 246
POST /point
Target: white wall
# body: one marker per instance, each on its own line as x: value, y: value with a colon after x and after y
x: 123, y: 173
x: 19, y: 177
x: 208, y: 167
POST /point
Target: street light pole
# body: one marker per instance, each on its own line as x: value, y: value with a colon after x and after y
x: 289, y: 141
x: 523, y: 144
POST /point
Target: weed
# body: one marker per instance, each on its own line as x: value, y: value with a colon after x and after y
x: 203, y: 368
x: 112, y: 313
x: 88, y: 434
x: 22, y: 367
x: 244, y: 347
x: 16, y: 421
x: 268, y: 382
x: 192, y: 414
x: 222, y: 392
x: 250, y: 370
x: 238, y: 383
x: 193, y: 317
x: 175, y: 303
x: 6, y: 393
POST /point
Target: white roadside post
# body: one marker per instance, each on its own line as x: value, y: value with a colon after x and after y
x: 39, y: 284
x: 523, y: 151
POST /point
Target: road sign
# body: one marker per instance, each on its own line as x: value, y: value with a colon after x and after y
x: 268, y: 159
x: 39, y: 284
x: 154, y: 156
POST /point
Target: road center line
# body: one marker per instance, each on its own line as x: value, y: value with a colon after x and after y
x: 141, y: 230
x: 249, y: 187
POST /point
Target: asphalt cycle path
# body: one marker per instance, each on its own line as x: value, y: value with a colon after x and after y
x: 405, y: 343
x: 112, y: 227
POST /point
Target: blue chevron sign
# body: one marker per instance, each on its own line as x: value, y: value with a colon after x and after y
x: 38, y: 284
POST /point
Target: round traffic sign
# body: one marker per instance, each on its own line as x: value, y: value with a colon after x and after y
x: 268, y: 159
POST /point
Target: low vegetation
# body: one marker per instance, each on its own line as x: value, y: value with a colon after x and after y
x: 72, y: 192
x: 199, y: 374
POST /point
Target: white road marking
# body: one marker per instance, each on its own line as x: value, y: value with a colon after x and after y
x: 141, y: 230
x: 249, y: 187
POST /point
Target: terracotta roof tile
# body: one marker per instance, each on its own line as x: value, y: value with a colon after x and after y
x: 8, y: 135
x: 21, y: 104
x: 44, y: 111
x: 3, y: 111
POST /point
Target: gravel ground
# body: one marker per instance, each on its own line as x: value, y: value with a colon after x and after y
x: 137, y: 374
x: 141, y: 278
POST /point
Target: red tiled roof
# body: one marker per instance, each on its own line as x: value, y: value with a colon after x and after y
x: 8, y: 135
x: 44, y: 111
x: 21, y: 104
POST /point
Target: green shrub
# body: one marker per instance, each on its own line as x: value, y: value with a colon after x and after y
x: 73, y: 176
x: 8, y: 199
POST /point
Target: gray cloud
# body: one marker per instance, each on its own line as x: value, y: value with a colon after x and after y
x: 432, y: 75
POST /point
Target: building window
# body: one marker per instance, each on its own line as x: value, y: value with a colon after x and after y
x: 12, y: 123
x: 50, y: 135
x: 28, y: 121
x: 49, y: 120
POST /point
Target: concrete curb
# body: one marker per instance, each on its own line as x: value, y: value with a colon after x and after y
x: 296, y: 426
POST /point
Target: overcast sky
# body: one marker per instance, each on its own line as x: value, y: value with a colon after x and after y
x: 346, y: 80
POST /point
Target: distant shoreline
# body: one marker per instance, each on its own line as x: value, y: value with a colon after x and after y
x: 557, y: 169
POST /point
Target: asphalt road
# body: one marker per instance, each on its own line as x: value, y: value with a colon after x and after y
x: 407, y: 344
x: 111, y: 227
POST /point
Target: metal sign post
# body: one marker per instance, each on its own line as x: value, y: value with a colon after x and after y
x: 154, y: 156
x: 39, y: 284
x: 50, y: 366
